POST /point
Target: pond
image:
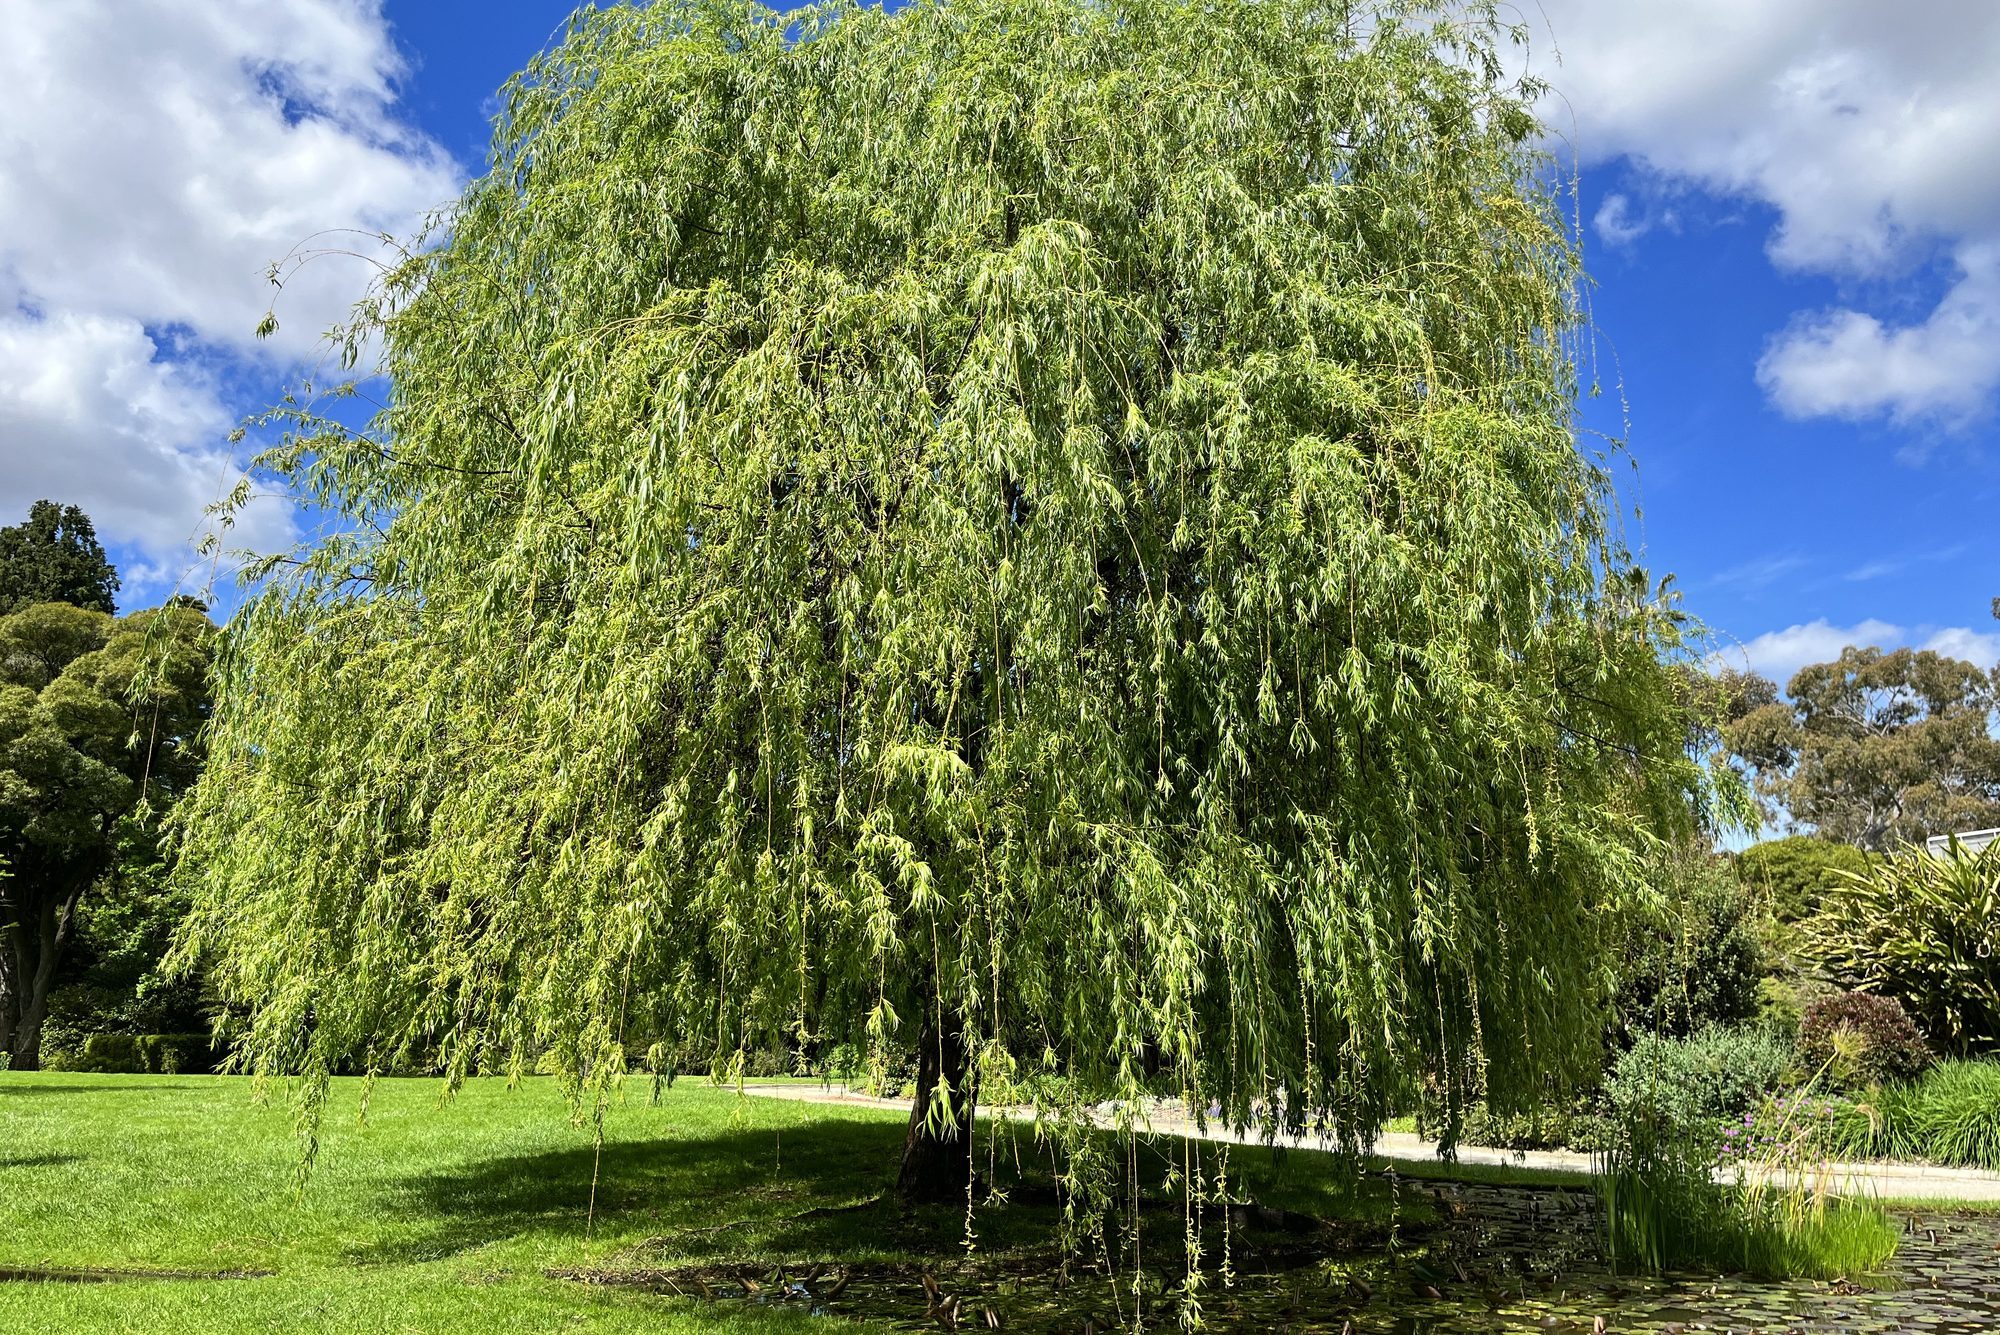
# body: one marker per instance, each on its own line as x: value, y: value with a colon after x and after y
x: 1493, y: 1259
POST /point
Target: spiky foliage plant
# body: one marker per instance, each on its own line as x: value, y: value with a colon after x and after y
x: 1924, y: 930
x: 1050, y: 530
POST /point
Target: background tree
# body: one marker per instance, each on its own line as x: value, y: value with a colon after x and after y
x: 1690, y: 957
x: 1790, y: 876
x: 1048, y: 530
x: 54, y: 557
x: 96, y: 715
x: 1879, y: 748
x: 110, y: 980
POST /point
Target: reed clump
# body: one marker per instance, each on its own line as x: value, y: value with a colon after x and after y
x: 1758, y: 1194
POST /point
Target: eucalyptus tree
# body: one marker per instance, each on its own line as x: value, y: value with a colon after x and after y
x: 1878, y: 748
x: 1049, y: 532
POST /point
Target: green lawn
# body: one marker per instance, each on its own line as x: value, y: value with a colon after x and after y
x: 427, y: 1218
x: 445, y: 1218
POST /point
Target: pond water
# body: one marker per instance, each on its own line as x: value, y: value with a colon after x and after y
x: 1496, y: 1259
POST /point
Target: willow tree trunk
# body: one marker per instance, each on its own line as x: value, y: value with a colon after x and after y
x: 937, y: 1157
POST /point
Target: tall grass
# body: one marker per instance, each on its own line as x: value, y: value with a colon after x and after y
x: 1670, y: 1223
x: 1951, y: 1115
x: 1756, y: 1197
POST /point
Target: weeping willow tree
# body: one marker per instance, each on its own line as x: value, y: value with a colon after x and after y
x: 1044, y: 531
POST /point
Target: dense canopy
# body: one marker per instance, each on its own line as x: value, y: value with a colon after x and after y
x: 53, y: 556
x: 1877, y: 748
x: 1055, y: 523
x: 99, y: 721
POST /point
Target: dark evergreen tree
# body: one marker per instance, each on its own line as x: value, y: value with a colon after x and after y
x: 55, y: 557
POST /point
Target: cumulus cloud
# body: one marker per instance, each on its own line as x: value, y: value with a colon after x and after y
x: 1778, y: 654
x: 87, y: 409
x: 1866, y: 127
x: 155, y: 159
x: 1618, y: 223
x: 1975, y: 646
x: 1845, y: 363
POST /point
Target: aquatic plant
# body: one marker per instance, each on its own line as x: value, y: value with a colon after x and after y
x: 1757, y: 1194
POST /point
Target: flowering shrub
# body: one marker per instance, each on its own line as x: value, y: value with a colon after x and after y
x: 1860, y: 1039
x: 1793, y: 1132
x: 1693, y: 1085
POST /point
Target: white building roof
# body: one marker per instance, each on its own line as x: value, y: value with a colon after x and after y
x: 1971, y: 841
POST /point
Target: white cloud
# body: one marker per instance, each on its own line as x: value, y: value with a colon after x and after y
x: 1867, y: 127
x: 155, y: 158
x: 86, y: 407
x: 1975, y: 646
x: 1618, y: 223
x: 1844, y: 363
x: 1778, y: 654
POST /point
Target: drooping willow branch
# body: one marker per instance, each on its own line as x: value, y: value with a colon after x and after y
x: 1084, y: 542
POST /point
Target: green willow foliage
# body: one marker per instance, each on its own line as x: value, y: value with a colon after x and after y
x: 1055, y: 518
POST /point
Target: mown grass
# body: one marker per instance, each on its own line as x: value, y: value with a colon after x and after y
x: 447, y: 1217
x: 426, y: 1218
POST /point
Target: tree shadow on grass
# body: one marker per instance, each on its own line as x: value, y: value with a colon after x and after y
x: 824, y: 1191
x: 824, y: 1187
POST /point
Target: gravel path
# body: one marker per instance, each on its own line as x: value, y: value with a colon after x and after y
x: 1895, y: 1181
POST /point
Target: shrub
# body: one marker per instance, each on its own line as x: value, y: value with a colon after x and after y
x: 141, y: 1054
x: 1925, y: 930
x: 1691, y: 1086
x: 1694, y: 960
x: 1789, y: 877
x: 1782, y: 999
x: 1859, y: 1039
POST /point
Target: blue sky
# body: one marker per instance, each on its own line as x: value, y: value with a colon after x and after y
x: 1791, y: 211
